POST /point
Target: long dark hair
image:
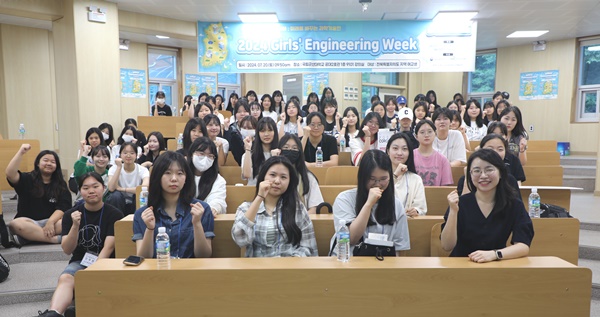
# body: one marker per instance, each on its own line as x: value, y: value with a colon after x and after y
x: 293, y: 103
x: 410, y: 161
x: 110, y: 133
x: 312, y: 94
x: 189, y: 126
x: 467, y: 118
x: 323, y: 95
x: 262, y: 100
x: 506, y: 106
x: 162, y: 145
x: 133, y: 130
x: 200, y: 105
x: 331, y: 102
x: 386, y: 207
x: 57, y: 182
x: 497, y: 125
x: 155, y: 190
x: 210, y: 175
x: 368, y: 117
x: 519, y: 129
x: 300, y: 164
x: 91, y: 131
x: 229, y: 105
x: 357, y: 125
x: 289, y: 199
x: 505, y: 194
x: 258, y: 156
x: 281, y: 104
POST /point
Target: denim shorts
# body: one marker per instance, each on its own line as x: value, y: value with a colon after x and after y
x: 73, y: 267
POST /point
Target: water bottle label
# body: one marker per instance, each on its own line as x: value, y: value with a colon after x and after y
x: 163, y: 247
x: 344, y: 237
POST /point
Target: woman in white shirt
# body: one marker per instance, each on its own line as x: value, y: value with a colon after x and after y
x: 213, y: 127
x: 267, y: 101
x: 449, y: 143
x: 408, y: 184
x: 366, y: 139
x: 124, y: 177
x: 475, y: 129
x: 210, y: 186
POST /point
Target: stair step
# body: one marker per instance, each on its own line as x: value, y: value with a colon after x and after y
x: 24, y: 309
x: 587, y: 183
x: 31, y: 282
x: 580, y: 160
x: 35, y: 253
x: 572, y: 170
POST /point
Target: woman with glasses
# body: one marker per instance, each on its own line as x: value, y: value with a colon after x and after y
x: 432, y: 166
x: 210, y: 186
x: 477, y: 225
x: 315, y: 137
x: 372, y: 207
x: 366, y: 139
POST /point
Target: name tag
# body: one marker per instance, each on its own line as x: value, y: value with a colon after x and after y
x: 89, y: 259
x: 377, y: 236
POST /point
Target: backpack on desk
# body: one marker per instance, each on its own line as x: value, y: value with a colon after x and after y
x: 553, y: 211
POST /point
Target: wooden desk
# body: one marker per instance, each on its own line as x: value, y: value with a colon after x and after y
x: 8, y: 149
x: 534, y: 286
x: 166, y: 125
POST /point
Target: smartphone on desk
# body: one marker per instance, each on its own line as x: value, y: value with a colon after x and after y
x: 133, y: 260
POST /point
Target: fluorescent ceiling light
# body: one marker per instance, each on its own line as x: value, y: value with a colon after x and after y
x: 521, y: 34
x: 162, y: 37
x: 258, y: 17
x: 449, y: 16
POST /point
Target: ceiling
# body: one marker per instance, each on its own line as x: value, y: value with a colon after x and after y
x: 496, y: 19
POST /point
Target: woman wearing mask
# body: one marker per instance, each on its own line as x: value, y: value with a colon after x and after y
x: 127, y: 136
x: 210, y: 186
x: 160, y: 107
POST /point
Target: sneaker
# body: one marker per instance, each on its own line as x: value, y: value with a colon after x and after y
x: 49, y: 313
x: 70, y: 312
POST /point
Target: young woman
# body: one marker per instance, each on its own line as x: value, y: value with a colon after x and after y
x: 290, y: 120
x: 420, y: 113
x: 330, y: 112
x: 448, y: 142
x: 233, y: 99
x: 160, y: 107
x: 219, y: 103
x: 194, y: 129
x: 372, y: 207
x: 498, y: 127
x: 456, y: 124
x: 256, y: 110
x: 43, y: 197
x: 258, y: 150
x: 488, y: 112
x: 478, y: 224
x: 312, y: 107
x: 452, y: 105
x: 497, y: 97
x: 251, y: 96
x: 432, y: 166
x: 408, y: 184
x: 350, y: 126
x: 366, y: 139
x: 391, y: 111
x: 315, y: 137
x: 432, y: 98
x: 202, y: 97
x: 107, y: 134
x: 475, y: 128
x: 127, y: 136
x: 278, y: 102
x: 187, y: 104
x: 233, y: 132
x: 156, y: 144
x: 502, y: 104
x: 124, y: 177
x: 275, y: 223
x: 312, y: 98
x: 267, y: 105
x: 213, y: 127
x: 171, y: 204
x: 326, y: 94
x: 517, y: 137
x: 88, y: 228
x: 379, y: 108
x: 93, y: 138
x: 100, y: 156
x: 210, y: 186
x: 202, y: 109
x: 498, y: 143
x: 457, y: 96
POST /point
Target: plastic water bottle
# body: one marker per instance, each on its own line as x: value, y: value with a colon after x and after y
x: 534, y: 203
x: 343, y: 145
x: 144, y: 196
x: 343, y: 242
x: 21, y: 131
x: 180, y: 141
x: 163, y: 249
x: 319, y: 158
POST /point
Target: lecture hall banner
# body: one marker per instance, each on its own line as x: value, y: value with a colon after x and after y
x: 194, y: 84
x: 133, y: 83
x: 539, y: 85
x: 358, y: 46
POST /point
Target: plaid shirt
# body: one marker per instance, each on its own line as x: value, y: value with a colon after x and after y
x: 253, y: 235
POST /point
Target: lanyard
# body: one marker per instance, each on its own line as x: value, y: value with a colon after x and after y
x: 85, y: 223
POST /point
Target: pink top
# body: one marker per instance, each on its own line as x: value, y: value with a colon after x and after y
x: 434, y: 169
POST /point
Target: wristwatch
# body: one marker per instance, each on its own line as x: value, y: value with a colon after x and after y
x: 498, y: 255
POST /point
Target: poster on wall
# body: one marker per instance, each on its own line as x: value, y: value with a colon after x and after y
x: 315, y: 82
x: 539, y: 85
x: 335, y: 46
x: 196, y: 84
x: 133, y: 83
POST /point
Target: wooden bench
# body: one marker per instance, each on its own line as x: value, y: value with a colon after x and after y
x: 163, y: 124
x: 8, y: 149
x: 344, y: 159
x: 537, y: 158
x: 342, y: 175
x: 536, y: 175
x: 532, y: 145
x: 553, y: 236
x: 232, y: 175
x: 320, y: 173
x: 532, y: 286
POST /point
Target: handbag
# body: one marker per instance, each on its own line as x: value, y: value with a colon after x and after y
x: 377, y: 248
x: 4, y: 269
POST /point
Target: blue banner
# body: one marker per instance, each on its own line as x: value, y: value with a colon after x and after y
x: 360, y: 46
x: 133, y: 83
x: 539, y: 85
x: 314, y: 82
x: 196, y: 84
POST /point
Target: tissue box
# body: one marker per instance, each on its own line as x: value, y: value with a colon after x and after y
x: 564, y: 148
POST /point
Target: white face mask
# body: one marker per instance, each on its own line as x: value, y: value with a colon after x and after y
x: 127, y: 138
x: 160, y: 101
x: 105, y: 136
x: 247, y: 132
x: 202, y: 163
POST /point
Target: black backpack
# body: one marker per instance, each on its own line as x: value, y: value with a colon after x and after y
x: 4, y: 269
x: 553, y: 211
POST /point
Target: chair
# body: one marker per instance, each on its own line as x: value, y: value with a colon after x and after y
x: 344, y: 159
x: 232, y: 175
x: 320, y: 173
x: 436, y: 242
x: 341, y: 175
x: 236, y: 195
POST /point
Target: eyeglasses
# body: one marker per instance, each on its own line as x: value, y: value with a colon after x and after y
x: 423, y: 132
x: 316, y: 125
x: 487, y: 171
x: 382, y: 181
x: 202, y: 154
x: 373, y: 123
